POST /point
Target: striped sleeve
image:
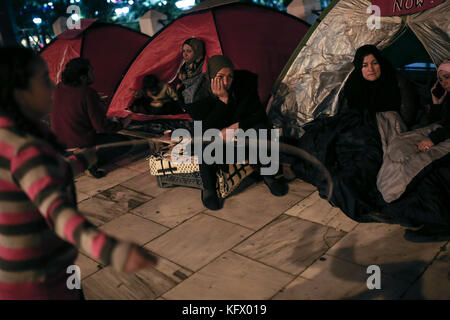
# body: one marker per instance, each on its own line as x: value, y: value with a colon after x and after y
x: 82, y: 160
x: 39, y: 175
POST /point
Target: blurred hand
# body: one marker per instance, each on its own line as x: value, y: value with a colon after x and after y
x: 233, y: 127
x: 435, y: 99
x: 218, y: 89
x: 139, y: 258
x: 425, y: 145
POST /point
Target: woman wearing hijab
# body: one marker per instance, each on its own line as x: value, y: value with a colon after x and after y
x: 226, y: 97
x: 228, y: 100
x: 373, y: 85
x: 193, y: 55
x: 190, y: 74
x: 349, y: 143
x: 439, y: 112
x: 440, y: 109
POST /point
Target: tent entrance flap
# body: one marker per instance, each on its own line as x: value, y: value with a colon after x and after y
x: 416, y: 52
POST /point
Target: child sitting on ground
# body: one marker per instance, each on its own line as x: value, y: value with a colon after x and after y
x: 155, y: 98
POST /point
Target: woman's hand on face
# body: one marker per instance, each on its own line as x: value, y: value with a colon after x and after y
x: 139, y: 258
x: 218, y: 89
x: 435, y: 99
x: 233, y: 128
x: 425, y: 145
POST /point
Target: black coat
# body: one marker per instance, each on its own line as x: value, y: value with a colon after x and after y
x: 244, y: 105
x: 375, y: 96
x: 441, y: 113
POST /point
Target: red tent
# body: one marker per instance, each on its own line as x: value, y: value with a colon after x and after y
x: 255, y: 38
x: 110, y: 49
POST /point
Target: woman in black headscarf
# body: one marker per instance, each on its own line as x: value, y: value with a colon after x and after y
x: 228, y: 99
x: 349, y: 143
x: 373, y: 84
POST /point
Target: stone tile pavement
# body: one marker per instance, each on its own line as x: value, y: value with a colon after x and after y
x: 257, y: 247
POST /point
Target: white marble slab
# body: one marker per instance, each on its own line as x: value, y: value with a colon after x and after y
x: 289, y: 244
x: 231, y: 277
x: 196, y: 242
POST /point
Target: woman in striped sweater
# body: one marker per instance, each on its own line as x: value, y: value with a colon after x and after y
x: 41, y: 229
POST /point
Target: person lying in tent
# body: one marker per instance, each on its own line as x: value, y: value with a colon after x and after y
x: 228, y: 100
x: 189, y: 75
x: 155, y: 98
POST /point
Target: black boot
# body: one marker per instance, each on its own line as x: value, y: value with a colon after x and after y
x: 278, y: 187
x: 95, y: 172
x: 211, y: 200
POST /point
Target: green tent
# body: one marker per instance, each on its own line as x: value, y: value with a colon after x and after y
x: 312, y: 80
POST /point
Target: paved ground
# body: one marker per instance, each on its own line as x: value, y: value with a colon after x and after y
x: 257, y: 247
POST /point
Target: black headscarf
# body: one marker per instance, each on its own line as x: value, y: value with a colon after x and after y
x: 215, y: 63
x: 380, y: 95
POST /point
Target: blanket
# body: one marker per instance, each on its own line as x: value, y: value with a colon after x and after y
x: 402, y: 160
x: 351, y: 147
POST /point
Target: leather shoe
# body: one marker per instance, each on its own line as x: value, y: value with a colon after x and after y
x: 211, y: 200
x: 96, y: 173
x: 278, y: 187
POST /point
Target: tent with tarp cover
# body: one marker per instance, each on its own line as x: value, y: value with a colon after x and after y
x: 378, y: 171
x: 407, y: 31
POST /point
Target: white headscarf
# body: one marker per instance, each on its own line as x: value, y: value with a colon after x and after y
x: 445, y: 66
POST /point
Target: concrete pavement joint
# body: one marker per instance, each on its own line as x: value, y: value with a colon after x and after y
x: 263, y: 263
x: 419, y: 277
